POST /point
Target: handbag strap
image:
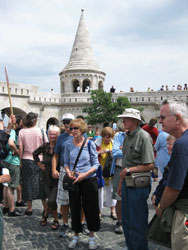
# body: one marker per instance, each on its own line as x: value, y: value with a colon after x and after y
x: 42, y: 131
x: 78, y: 156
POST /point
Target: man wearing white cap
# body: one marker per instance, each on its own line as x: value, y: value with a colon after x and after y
x: 138, y: 158
x: 59, y: 172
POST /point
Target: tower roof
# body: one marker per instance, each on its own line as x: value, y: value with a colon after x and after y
x: 82, y: 57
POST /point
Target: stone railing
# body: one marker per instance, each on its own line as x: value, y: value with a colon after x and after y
x: 153, y: 97
x: 140, y: 98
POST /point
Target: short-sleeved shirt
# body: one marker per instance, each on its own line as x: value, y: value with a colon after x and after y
x: 162, y: 157
x: 88, y: 158
x: 137, y: 149
x: 103, y: 157
x: 12, y: 159
x: 178, y: 166
x: 30, y: 139
x: 60, y: 146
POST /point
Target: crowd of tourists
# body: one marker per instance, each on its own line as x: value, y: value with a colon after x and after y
x: 108, y: 166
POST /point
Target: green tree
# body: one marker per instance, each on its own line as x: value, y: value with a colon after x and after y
x: 102, y: 109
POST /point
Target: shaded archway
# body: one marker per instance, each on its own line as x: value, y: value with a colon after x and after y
x: 76, y: 86
x: 16, y: 112
x: 86, y: 86
x: 52, y: 121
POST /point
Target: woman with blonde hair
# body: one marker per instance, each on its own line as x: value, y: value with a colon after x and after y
x: 84, y: 175
x: 104, y: 148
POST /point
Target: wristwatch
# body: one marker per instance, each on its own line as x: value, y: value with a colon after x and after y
x: 128, y: 171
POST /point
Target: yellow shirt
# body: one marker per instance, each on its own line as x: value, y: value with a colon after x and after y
x: 103, y: 157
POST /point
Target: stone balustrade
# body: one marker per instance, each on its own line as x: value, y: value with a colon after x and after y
x: 139, y: 98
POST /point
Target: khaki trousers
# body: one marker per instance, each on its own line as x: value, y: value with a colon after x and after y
x: 179, y: 234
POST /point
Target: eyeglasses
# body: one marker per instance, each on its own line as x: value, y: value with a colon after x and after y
x: 74, y: 128
x: 66, y: 122
x: 162, y: 117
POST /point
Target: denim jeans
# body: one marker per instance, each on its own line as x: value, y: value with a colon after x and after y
x: 135, y: 216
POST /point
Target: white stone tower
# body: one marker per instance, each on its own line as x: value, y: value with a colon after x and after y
x: 82, y: 73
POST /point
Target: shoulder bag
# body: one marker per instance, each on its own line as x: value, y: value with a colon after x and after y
x: 107, y: 166
x: 67, y: 182
x: 100, y: 179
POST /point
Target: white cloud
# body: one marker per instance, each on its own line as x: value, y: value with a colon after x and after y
x: 137, y: 43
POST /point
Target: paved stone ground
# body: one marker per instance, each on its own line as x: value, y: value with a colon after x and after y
x: 25, y: 233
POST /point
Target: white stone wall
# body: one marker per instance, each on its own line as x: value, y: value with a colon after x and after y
x: 27, y: 98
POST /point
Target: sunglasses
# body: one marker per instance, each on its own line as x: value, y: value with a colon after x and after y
x: 66, y: 122
x: 74, y: 128
x: 162, y: 117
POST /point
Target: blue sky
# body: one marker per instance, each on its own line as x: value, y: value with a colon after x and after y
x: 137, y: 43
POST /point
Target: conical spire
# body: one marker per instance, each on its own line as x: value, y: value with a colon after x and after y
x: 82, y: 57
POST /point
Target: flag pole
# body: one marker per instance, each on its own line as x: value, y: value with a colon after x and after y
x: 9, y: 96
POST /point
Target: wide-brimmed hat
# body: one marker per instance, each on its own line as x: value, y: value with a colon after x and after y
x: 68, y: 117
x: 131, y: 113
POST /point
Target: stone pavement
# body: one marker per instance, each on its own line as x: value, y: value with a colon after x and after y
x: 25, y: 233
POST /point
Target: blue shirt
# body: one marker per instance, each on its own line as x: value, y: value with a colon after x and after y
x: 118, y: 141
x: 162, y: 157
x: 178, y: 166
x: 86, y: 160
x: 60, y: 146
x: 117, y: 153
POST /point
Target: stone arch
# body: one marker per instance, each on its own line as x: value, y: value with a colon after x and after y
x: 100, y: 85
x: 52, y: 121
x: 86, y: 85
x: 16, y: 112
x: 76, y: 86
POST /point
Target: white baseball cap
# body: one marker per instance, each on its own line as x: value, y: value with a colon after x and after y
x: 131, y: 113
x: 68, y: 117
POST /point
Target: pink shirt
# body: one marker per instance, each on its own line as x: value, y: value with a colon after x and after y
x: 30, y: 139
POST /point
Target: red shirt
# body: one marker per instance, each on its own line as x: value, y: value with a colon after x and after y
x: 152, y: 131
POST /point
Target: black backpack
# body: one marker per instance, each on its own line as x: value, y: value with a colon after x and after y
x: 3, y: 141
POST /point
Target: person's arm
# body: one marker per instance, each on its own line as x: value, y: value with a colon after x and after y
x: 5, y: 178
x: 82, y: 176
x: 169, y: 196
x: 36, y: 153
x: 11, y: 124
x: 120, y: 186
x: 157, y: 144
x: 20, y: 154
x: 94, y: 164
x: 55, y: 159
x: 138, y: 169
x: 13, y: 147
